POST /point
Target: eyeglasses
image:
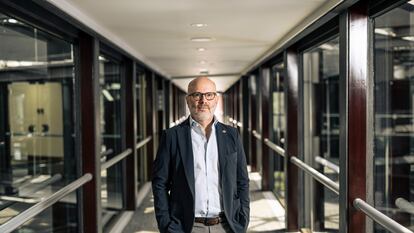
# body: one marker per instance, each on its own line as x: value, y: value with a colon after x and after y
x: 198, y: 95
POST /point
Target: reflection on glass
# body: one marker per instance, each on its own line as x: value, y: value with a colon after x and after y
x: 110, y: 123
x: 37, y: 155
x: 321, y: 131
x: 394, y: 116
x: 279, y: 127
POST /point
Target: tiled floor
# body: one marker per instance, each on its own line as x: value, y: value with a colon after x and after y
x: 266, y: 213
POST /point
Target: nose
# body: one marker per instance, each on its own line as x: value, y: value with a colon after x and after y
x: 202, y: 98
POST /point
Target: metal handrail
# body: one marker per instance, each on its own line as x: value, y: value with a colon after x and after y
x: 275, y: 147
x: 143, y: 142
x: 28, y: 214
x: 177, y: 122
x: 379, y: 217
x: 256, y: 135
x: 404, y: 205
x: 32, y: 190
x: 115, y: 159
x: 107, y: 152
x: 316, y: 175
x: 44, y: 184
x: 327, y: 163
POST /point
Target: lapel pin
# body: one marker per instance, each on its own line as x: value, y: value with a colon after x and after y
x: 224, y: 131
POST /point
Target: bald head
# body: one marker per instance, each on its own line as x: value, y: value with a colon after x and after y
x: 202, y: 100
x: 201, y: 83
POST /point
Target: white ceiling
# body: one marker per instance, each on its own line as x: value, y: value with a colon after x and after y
x: 158, y: 32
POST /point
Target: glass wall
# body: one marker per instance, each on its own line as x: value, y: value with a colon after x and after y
x: 278, y: 130
x: 321, y: 132
x: 37, y: 128
x: 393, y: 167
x: 140, y: 89
x: 111, y: 136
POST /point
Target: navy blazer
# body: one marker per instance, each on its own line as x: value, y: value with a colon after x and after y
x: 173, y: 179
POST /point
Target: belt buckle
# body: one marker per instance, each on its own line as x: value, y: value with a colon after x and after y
x: 211, y: 221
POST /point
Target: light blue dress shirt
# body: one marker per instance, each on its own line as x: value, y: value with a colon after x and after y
x: 206, y: 171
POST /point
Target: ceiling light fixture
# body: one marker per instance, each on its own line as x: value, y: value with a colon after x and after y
x: 385, y: 32
x: 198, y: 25
x: 409, y: 38
x: 204, y: 71
x: 326, y: 47
x: 202, y: 62
x: 201, y: 49
x: 201, y: 39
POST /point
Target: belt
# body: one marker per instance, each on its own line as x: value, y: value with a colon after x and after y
x: 211, y: 220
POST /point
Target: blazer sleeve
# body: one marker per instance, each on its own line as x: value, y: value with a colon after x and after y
x: 161, y: 182
x: 242, y: 184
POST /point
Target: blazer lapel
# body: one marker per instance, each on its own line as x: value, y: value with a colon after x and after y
x: 186, y: 149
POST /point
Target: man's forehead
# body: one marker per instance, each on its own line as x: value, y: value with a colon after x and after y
x: 201, y: 85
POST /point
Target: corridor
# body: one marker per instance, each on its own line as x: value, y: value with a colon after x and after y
x: 266, y: 213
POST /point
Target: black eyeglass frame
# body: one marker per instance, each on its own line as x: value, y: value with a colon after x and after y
x: 198, y: 95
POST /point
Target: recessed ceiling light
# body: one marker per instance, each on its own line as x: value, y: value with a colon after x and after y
x: 203, y: 71
x: 201, y: 39
x: 202, y: 62
x: 201, y: 49
x: 198, y: 25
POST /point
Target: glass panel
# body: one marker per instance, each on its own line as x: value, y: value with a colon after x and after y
x: 321, y: 131
x: 37, y: 155
x: 110, y: 100
x: 278, y: 132
x: 394, y: 115
x: 141, y: 118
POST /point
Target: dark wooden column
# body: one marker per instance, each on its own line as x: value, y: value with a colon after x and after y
x: 267, y: 161
x: 168, y: 103
x: 354, y: 79
x: 252, y: 123
x: 174, y: 103
x: 90, y: 136
x: 292, y: 81
x: 131, y: 174
x: 258, y: 122
x: 245, y: 116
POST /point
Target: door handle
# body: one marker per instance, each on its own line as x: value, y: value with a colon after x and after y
x: 45, y: 128
x: 31, y: 128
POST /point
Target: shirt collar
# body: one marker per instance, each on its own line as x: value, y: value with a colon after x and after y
x: 195, y: 123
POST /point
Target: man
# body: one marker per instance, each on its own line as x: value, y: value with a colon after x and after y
x: 200, y: 181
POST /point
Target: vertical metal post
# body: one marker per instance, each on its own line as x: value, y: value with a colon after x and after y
x: 90, y: 131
